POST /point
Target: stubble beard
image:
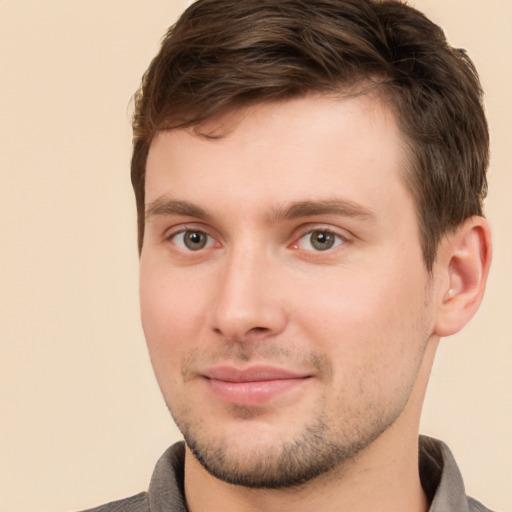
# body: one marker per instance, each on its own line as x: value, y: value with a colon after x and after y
x: 319, y: 449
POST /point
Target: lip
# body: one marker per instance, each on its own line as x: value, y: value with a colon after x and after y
x: 253, y: 386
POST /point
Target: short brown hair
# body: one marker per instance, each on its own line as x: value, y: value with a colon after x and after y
x: 227, y: 54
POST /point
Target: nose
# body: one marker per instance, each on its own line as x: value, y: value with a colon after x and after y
x: 248, y: 301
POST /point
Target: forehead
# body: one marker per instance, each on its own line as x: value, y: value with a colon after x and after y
x: 290, y: 150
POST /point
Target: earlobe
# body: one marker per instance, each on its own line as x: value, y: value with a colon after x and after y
x: 464, y: 260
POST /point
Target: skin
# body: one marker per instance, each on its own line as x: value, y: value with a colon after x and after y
x: 358, y: 323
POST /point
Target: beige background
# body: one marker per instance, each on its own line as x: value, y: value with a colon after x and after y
x: 81, y: 420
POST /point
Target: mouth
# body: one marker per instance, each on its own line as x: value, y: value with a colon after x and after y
x: 253, y: 386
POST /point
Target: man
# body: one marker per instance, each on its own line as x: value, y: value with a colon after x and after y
x: 309, y: 179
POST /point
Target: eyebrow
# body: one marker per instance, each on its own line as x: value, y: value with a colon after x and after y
x: 162, y: 206
x: 294, y: 210
x: 341, y: 207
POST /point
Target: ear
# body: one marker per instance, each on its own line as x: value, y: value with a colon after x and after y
x: 462, y: 267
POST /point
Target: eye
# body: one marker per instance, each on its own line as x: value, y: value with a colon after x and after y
x: 319, y: 240
x: 192, y: 240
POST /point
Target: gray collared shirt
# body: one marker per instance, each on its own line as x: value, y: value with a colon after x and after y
x: 440, y: 477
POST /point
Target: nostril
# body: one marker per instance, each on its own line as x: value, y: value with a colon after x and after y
x: 258, y: 329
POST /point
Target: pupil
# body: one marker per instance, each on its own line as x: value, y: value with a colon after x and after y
x: 322, y: 240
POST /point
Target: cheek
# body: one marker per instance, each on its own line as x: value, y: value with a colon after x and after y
x: 373, y: 344
x: 359, y: 327
x: 172, y: 314
x: 172, y: 320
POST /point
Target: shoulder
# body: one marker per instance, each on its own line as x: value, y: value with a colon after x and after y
x: 476, y: 506
x: 166, y: 489
x: 137, y: 503
x: 442, y: 480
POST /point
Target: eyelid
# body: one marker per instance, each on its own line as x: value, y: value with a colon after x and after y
x: 187, y: 226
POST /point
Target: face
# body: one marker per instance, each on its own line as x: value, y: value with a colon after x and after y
x: 284, y: 296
